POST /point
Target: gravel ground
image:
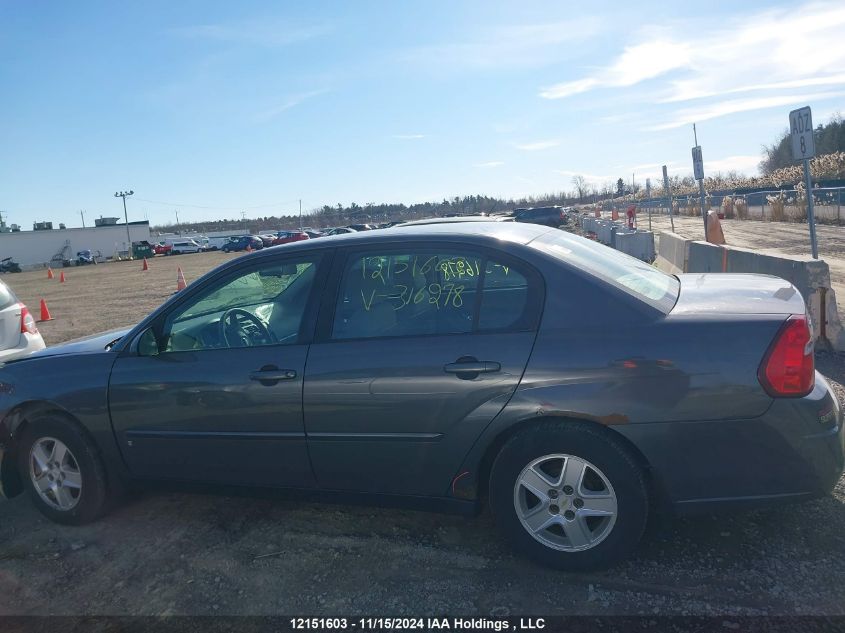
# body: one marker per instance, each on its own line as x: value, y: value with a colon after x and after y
x: 176, y: 553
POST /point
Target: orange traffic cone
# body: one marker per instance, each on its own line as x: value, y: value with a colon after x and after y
x: 62, y: 277
x: 45, y: 313
x: 146, y: 266
x: 614, y: 215
x: 49, y: 273
x: 180, y: 280
x: 249, y: 248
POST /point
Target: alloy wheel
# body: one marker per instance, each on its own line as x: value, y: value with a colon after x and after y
x: 55, y: 473
x: 565, y: 502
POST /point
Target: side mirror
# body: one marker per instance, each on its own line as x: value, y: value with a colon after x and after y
x: 148, y: 343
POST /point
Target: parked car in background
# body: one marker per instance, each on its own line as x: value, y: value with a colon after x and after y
x: 360, y: 227
x: 340, y: 230
x: 242, y: 243
x: 547, y: 216
x: 285, y: 237
x: 162, y: 248
x: 9, y: 265
x: 142, y: 249
x: 443, y: 364
x: 313, y: 233
x: 455, y: 219
x: 85, y: 257
x: 266, y: 240
x: 19, y: 333
x: 185, y: 246
x: 217, y: 243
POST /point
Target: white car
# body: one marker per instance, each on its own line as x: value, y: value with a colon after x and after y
x: 185, y: 246
x: 19, y: 335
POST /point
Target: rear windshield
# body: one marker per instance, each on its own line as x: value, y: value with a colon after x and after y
x: 627, y: 273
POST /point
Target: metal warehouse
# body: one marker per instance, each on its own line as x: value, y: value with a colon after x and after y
x: 39, y: 247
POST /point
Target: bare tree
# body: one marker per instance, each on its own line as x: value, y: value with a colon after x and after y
x: 580, y: 185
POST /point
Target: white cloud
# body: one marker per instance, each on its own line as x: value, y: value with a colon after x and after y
x: 256, y: 32
x: 732, y: 106
x: 408, y: 137
x: 537, y: 145
x: 768, y: 52
x: 490, y: 164
x: 569, y: 88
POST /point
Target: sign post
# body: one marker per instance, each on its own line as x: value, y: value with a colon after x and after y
x: 668, y: 196
x: 804, y: 148
x: 648, y: 197
x: 698, y: 170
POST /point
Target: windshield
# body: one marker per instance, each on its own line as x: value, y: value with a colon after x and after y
x: 637, y: 278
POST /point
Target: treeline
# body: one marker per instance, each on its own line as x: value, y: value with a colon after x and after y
x: 342, y: 215
x: 829, y: 137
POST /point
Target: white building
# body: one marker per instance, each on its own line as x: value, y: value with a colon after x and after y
x: 34, y: 248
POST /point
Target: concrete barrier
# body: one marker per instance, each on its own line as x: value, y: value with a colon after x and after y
x: 603, y: 231
x: 672, y: 252
x: 633, y: 242
x: 810, y: 276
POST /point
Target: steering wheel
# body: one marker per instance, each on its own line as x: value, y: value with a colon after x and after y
x: 244, y: 329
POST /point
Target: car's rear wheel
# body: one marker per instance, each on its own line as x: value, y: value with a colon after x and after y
x: 569, y: 495
x: 62, y: 470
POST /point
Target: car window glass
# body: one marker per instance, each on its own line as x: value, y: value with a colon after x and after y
x: 407, y: 294
x: 504, y: 298
x: 264, y: 306
x: 637, y: 278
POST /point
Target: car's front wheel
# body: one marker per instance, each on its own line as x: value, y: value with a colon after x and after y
x: 569, y: 495
x: 62, y: 470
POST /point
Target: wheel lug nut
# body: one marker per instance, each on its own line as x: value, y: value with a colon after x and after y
x: 553, y: 494
x: 554, y: 509
x: 569, y: 514
x: 567, y: 490
x: 578, y: 503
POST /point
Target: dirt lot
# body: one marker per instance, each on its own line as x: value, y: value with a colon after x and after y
x: 176, y: 553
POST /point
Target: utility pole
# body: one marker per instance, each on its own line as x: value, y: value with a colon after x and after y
x: 82, y: 214
x: 123, y: 195
x: 176, y: 211
x: 300, y: 215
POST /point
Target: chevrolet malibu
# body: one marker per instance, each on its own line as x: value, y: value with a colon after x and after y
x: 573, y: 389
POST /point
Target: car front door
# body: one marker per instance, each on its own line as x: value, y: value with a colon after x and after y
x: 212, y: 392
x: 421, y: 350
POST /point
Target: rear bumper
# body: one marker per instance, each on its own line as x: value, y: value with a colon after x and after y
x: 28, y: 343
x: 795, y: 451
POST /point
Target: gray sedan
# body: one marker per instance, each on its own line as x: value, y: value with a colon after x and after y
x: 571, y: 388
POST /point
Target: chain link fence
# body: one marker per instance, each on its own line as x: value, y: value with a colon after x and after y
x: 777, y: 205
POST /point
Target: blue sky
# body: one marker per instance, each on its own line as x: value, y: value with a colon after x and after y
x: 214, y: 108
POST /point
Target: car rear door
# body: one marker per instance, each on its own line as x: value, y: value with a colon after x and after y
x: 203, y: 401
x: 420, y: 351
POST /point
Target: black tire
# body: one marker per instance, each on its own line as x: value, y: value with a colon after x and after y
x: 595, y: 445
x: 94, y: 494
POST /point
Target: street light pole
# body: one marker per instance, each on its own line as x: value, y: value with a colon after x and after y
x: 123, y: 194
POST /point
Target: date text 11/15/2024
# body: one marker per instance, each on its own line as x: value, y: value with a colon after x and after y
x: 420, y: 624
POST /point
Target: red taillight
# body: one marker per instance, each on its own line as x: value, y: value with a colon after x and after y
x: 788, y: 368
x: 27, y: 322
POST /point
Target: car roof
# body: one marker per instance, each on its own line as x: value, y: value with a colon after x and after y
x: 469, y: 232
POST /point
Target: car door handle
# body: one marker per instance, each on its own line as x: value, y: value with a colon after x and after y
x: 472, y: 367
x: 270, y: 375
